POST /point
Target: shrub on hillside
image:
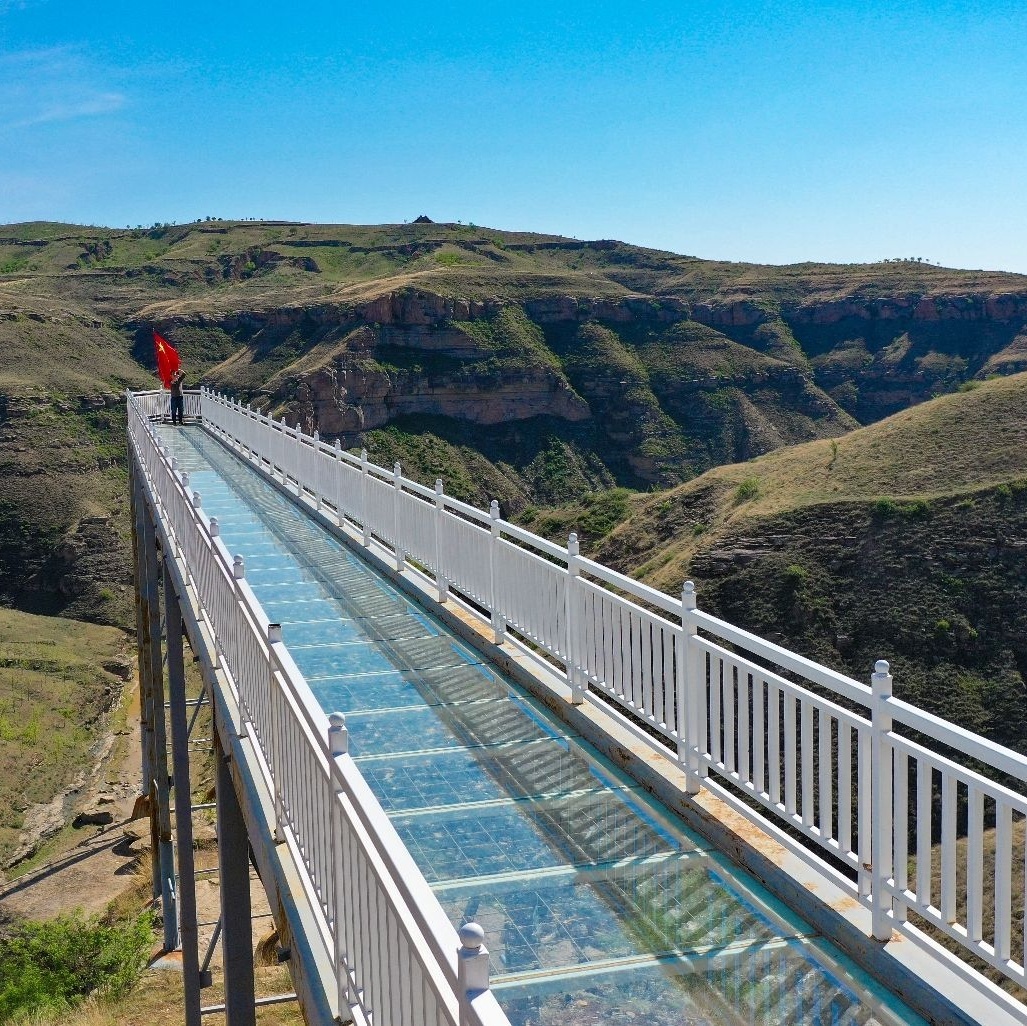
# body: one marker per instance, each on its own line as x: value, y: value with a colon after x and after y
x: 53, y: 965
x: 748, y: 489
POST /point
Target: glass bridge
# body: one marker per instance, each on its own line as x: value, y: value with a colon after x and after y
x: 599, y: 906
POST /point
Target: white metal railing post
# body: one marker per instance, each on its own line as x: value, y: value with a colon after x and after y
x: 299, y: 457
x: 573, y: 672
x: 472, y: 969
x: 882, y: 797
x: 317, y: 469
x: 214, y: 531
x: 365, y: 521
x: 284, y: 451
x: 183, y: 477
x: 239, y: 575
x: 274, y: 637
x: 690, y: 693
x: 441, y: 582
x: 338, y: 745
x: 338, y: 479
x: 397, y: 485
x: 498, y: 622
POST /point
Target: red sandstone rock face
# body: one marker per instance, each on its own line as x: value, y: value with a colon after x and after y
x: 347, y: 399
x: 411, y: 307
x: 412, y: 351
x: 916, y: 307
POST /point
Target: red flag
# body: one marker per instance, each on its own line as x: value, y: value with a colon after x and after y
x: 167, y: 358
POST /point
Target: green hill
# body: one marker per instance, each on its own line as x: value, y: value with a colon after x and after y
x: 905, y: 540
x: 525, y: 367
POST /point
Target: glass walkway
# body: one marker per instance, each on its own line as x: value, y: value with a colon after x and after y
x: 599, y: 906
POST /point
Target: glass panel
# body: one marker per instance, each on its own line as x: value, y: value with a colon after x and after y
x: 336, y: 660
x: 772, y: 984
x: 422, y: 781
x: 409, y: 730
x: 300, y: 612
x: 664, y: 907
x: 292, y: 589
x: 368, y: 691
x: 288, y: 573
x: 580, y: 829
x: 401, y: 688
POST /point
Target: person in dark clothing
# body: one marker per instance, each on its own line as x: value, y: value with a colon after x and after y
x: 177, y: 397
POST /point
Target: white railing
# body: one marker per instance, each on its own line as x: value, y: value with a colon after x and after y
x: 817, y: 750
x: 156, y: 406
x: 398, y: 957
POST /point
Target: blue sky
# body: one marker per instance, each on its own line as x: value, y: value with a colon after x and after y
x: 769, y: 131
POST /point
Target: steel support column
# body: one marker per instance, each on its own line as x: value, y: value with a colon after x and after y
x: 183, y: 804
x: 142, y: 634
x: 160, y: 805
x: 237, y: 928
x: 155, y: 735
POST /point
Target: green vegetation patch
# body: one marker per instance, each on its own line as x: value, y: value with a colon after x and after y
x: 512, y: 332
x: 592, y: 518
x: 48, y: 967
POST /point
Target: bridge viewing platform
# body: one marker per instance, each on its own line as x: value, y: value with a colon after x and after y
x: 487, y: 781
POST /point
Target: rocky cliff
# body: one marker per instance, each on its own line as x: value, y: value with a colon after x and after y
x: 526, y: 367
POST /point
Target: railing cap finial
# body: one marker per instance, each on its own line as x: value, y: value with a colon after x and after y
x: 239, y: 567
x: 471, y: 935
x: 882, y: 667
x: 338, y: 735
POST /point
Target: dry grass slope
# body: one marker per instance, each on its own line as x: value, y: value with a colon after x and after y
x: 54, y: 697
x: 956, y: 444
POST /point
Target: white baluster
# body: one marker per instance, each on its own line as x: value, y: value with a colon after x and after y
x: 881, y: 802
x: 498, y: 622
x: 397, y: 483
x: 441, y: 581
x: 574, y: 674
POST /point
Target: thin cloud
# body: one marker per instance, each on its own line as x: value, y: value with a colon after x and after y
x: 93, y: 106
x: 50, y: 55
x: 55, y: 84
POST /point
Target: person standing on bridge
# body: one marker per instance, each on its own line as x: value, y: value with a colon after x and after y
x: 177, y: 397
x: 169, y: 370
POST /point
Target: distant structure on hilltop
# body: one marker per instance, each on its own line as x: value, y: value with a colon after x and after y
x: 423, y: 219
